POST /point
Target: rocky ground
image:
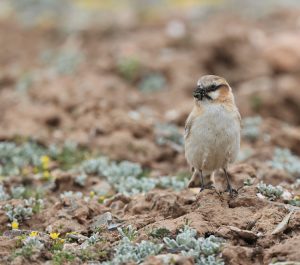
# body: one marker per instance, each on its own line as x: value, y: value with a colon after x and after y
x: 91, y: 154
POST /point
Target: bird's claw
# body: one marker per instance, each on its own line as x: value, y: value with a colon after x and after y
x: 207, y: 187
x: 232, y: 192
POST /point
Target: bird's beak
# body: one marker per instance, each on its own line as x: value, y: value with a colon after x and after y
x: 198, y: 93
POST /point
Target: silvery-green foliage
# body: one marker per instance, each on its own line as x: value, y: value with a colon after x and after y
x: 166, y: 182
x: 296, y: 184
x: 167, y: 133
x: 126, y: 177
x: 185, y: 240
x: 80, y: 180
x: 251, y: 127
x: 18, y: 192
x: 123, y: 169
x: 3, y: 195
x: 153, y: 82
x: 132, y: 185
x: 71, y: 195
x: 94, y: 166
x: 66, y: 62
x: 18, y: 212
x: 33, y: 242
x: 200, y: 249
x: 283, y: 159
x: 93, y: 239
x: 127, y: 251
x: 210, y: 260
x: 270, y: 191
x: 130, y: 232
x: 14, y: 157
x: 34, y: 203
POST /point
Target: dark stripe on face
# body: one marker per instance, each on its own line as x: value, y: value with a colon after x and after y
x: 202, y: 92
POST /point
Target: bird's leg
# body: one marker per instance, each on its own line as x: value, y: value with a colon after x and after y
x: 194, y: 182
x: 197, y: 180
x: 202, y: 181
x: 229, y: 188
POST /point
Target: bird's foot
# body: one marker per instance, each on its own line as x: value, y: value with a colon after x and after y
x: 232, y: 192
x: 207, y: 187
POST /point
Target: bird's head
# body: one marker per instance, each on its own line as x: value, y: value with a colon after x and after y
x: 212, y: 88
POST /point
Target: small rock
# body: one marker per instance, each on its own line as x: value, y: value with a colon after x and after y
x: 73, y: 247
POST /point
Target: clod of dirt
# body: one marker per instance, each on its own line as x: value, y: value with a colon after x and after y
x: 286, y: 250
x: 103, y: 220
x: 240, y: 255
x: 233, y: 232
x: 282, y: 226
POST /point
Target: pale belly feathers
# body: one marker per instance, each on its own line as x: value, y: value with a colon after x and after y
x: 214, y: 139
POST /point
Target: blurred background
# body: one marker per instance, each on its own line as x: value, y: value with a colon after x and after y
x: 94, y: 96
x: 117, y: 76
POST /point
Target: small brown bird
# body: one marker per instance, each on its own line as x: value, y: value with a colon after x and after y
x: 212, y: 130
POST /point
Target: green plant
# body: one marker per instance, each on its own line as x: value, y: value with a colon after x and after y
x: 129, y: 68
x: 93, y: 239
x: 152, y: 82
x: 60, y: 257
x: 256, y: 102
x: 129, y: 178
x: 35, y: 204
x: 251, y: 127
x: 25, y: 251
x: 15, y: 157
x: 92, y: 254
x: 283, y: 159
x: 168, y: 134
x: 3, y: 195
x: 18, y: 212
x: 71, y: 195
x: 127, y: 252
x: 128, y: 232
x: 248, y: 182
x: 31, y: 245
x: 270, y: 191
x: 18, y: 192
x: 68, y: 155
x: 80, y: 180
x: 201, y: 249
x: 160, y: 232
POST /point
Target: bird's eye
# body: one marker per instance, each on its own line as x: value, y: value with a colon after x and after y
x: 213, y: 86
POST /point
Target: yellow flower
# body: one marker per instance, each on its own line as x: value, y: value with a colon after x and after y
x: 46, y: 175
x: 297, y: 198
x: 15, y: 224
x: 101, y: 199
x: 92, y: 194
x: 33, y: 233
x: 62, y: 241
x: 45, y: 161
x: 54, y: 235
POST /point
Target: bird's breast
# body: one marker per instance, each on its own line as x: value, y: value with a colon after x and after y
x: 214, y: 138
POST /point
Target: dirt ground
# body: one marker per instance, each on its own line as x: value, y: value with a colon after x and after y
x: 92, y: 87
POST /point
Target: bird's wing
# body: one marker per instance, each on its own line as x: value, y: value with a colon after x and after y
x: 239, y: 117
x: 188, y: 126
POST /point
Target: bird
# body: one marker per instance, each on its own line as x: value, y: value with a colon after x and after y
x: 212, y: 131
